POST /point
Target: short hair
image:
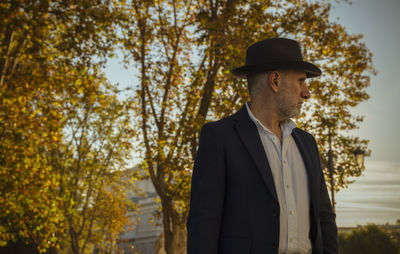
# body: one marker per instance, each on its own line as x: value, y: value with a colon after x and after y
x: 255, y: 80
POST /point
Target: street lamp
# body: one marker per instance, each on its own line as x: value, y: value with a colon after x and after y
x: 359, y: 155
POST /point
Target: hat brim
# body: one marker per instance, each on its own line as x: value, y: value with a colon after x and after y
x: 310, y: 69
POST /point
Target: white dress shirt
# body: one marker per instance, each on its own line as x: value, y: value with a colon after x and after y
x: 291, y: 184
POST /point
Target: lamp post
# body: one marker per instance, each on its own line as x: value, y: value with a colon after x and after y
x: 330, y: 167
x: 358, y: 154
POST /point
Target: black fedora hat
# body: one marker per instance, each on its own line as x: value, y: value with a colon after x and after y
x: 275, y: 54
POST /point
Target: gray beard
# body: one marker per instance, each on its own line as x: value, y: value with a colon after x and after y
x: 285, y: 110
x: 287, y: 113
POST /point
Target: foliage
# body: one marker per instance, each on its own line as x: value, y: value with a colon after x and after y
x: 395, y: 233
x: 91, y: 162
x: 369, y: 239
x: 50, y: 54
x: 184, y: 50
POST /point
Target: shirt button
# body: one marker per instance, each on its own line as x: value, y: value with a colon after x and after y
x: 287, y: 185
x: 291, y: 212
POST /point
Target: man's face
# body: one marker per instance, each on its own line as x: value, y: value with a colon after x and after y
x: 292, y: 92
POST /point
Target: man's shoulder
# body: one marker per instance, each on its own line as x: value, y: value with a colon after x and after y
x: 221, y: 123
x: 230, y: 120
x: 303, y: 134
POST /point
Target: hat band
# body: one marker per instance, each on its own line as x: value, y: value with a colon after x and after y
x: 273, y: 60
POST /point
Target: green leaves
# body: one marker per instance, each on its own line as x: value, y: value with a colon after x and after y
x: 368, y: 239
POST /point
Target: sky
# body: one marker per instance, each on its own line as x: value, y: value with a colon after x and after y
x: 374, y: 197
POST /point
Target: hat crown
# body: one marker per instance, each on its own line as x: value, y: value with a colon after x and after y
x: 275, y: 54
x: 273, y: 50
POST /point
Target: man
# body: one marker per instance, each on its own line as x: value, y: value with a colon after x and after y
x: 257, y: 185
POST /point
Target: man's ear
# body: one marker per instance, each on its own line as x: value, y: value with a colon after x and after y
x: 273, y: 80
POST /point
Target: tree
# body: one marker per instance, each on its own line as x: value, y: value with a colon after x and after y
x: 92, y: 166
x: 183, y: 51
x: 46, y: 47
x: 368, y: 239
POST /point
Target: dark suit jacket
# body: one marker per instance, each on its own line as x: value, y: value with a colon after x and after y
x: 234, y: 206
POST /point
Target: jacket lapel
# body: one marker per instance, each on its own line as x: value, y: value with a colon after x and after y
x: 248, y: 133
x: 313, y: 180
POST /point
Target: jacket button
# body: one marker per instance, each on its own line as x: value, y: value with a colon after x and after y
x: 275, y: 213
x: 275, y: 245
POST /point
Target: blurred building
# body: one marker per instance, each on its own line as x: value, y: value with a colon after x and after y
x: 144, y: 234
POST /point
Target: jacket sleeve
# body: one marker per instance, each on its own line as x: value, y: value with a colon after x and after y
x: 326, y: 215
x: 207, y: 194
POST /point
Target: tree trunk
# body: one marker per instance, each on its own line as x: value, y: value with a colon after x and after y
x: 174, y: 235
x: 178, y: 241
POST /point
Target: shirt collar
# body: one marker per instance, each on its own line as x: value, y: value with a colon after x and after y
x: 287, y: 126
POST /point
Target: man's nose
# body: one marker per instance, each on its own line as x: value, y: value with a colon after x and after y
x: 305, y: 94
